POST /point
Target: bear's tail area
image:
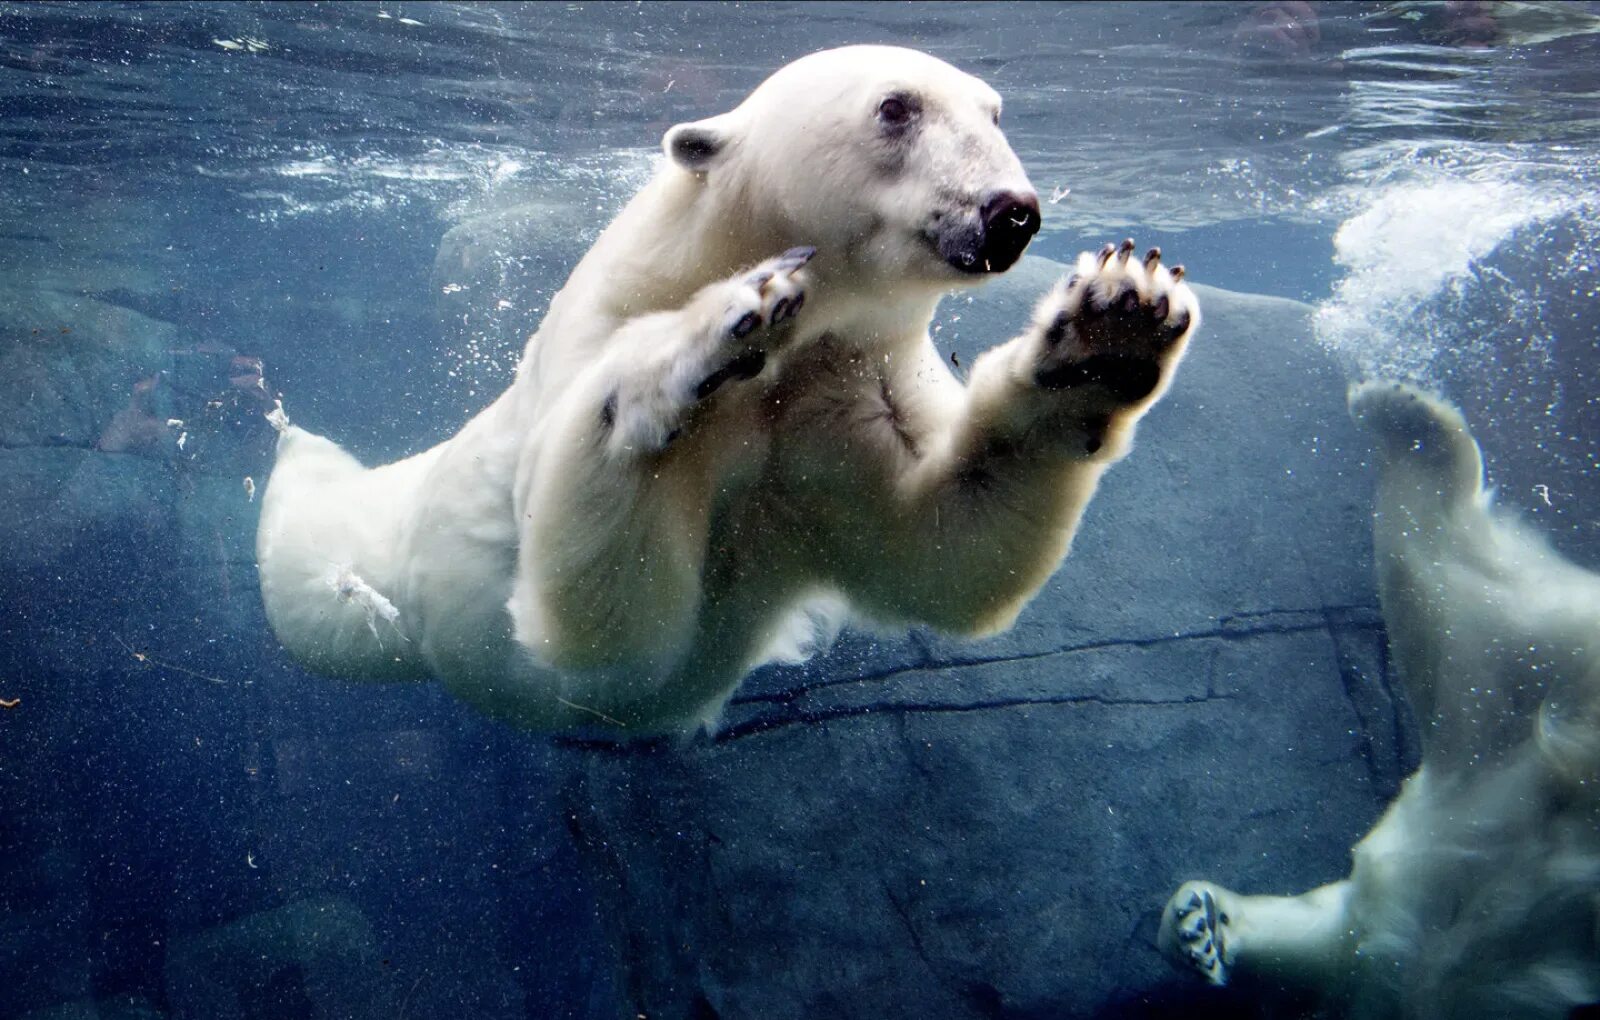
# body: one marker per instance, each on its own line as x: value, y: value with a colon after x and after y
x: 1423, y: 436
x: 321, y: 550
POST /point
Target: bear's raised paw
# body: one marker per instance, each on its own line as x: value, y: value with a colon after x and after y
x: 1116, y: 325
x: 724, y: 334
x: 764, y: 298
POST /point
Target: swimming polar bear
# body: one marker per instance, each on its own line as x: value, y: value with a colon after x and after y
x: 732, y: 431
x: 1478, y: 892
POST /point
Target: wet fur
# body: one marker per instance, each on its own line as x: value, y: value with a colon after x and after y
x: 633, y: 525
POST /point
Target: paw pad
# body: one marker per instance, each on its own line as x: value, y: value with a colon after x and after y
x: 745, y: 366
x: 745, y: 325
x: 1116, y: 325
x: 1201, y: 928
x: 769, y: 295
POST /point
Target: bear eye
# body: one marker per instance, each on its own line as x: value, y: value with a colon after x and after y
x: 995, y: 116
x: 896, y: 111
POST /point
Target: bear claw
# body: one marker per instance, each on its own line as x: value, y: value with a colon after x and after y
x: 796, y: 257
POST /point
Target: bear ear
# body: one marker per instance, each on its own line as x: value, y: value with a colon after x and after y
x: 697, y: 146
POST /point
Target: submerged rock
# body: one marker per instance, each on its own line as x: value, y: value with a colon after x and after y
x: 311, y: 958
x: 932, y: 827
x: 120, y: 1007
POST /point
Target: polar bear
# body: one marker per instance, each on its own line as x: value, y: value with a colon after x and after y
x: 731, y: 431
x: 1478, y: 892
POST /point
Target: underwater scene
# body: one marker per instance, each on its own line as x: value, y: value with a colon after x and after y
x: 677, y: 511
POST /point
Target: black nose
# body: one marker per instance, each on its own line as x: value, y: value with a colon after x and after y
x: 1010, y: 219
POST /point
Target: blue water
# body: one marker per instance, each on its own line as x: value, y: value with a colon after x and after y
x: 275, y: 181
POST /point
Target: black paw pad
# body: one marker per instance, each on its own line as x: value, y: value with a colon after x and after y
x: 745, y: 366
x: 1177, y: 328
x: 1128, y: 378
x: 745, y: 325
x: 1057, y: 330
x: 1095, y: 434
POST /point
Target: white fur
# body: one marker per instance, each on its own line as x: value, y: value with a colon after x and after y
x: 1477, y: 894
x: 557, y: 566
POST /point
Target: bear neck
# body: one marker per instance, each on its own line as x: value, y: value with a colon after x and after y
x: 679, y: 234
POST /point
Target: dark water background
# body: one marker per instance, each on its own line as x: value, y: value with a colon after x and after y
x: 274, y: 181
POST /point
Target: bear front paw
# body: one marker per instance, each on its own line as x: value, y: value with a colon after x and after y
x: 1113, y: 330
x: 1195, y: 931
x: 762, y: 300
x: 724, y: 334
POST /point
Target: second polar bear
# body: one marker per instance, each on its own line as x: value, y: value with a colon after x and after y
x: 732, y: 431
x: 1477, y: 895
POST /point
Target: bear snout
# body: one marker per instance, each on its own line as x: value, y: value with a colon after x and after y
x: 1010, y: 219
x: 993, y: 241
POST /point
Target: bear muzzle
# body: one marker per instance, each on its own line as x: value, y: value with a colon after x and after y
x: 993, y: 241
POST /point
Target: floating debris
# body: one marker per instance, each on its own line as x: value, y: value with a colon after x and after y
x: 245, y: 44
x: 146, y: 659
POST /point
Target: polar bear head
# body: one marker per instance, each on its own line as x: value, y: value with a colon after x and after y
x: 887, y: 159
